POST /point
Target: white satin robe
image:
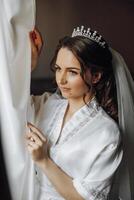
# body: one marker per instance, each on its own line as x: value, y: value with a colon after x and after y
x: 88, y: 149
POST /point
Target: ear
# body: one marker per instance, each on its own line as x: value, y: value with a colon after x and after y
x: 96, y: 77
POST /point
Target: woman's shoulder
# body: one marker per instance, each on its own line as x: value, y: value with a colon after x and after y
x: 102, y: 119
x: 109, y: 127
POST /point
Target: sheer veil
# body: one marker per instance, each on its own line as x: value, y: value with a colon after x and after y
x: 125, y: 96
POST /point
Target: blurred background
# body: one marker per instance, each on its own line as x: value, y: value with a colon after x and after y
x: 111, y: 18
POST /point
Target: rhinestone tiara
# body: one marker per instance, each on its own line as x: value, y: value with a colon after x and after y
x: 89, y: 34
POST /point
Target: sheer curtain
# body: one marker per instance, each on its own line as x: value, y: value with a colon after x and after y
x: 17, y: 18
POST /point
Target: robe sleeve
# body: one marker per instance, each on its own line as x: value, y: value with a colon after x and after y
x: 97, y: 183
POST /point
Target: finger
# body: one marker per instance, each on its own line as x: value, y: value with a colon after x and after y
x: 36, y: 131
x: 32, y: 144
x: 30, y: 149
x: 28, y: 134
x: 31, y: 37
x: 38, y: 36
x: 37, y: 39
x: 34, y: 138
x: 33, y: 45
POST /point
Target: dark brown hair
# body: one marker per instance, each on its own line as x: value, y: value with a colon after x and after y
x: 98, y: 59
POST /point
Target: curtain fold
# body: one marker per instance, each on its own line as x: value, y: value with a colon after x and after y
x: 17, y: 19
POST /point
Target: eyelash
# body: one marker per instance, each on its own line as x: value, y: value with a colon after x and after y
x: 56, y: 68
x: 73, y: 72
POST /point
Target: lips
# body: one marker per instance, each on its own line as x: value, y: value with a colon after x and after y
x: 64, y: 89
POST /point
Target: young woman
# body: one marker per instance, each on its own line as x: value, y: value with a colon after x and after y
x: 75, y: 141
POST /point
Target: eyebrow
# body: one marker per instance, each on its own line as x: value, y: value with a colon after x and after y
x: 69, y: 67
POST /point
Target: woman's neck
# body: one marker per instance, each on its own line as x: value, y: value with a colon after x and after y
x: 75, y: 104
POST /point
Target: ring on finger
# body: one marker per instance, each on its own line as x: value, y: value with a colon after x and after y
x: 32, y: 139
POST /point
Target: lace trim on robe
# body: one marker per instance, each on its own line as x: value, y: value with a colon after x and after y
x: 84, y: 115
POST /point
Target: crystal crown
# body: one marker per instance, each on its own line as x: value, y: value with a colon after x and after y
x: 91, y: 35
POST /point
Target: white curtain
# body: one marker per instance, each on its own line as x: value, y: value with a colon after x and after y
x: 17, y: 18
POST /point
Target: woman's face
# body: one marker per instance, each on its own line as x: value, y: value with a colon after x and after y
x: 68, y: 76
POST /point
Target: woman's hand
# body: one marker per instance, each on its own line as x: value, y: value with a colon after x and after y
x: 36, y: 144
x: 36, y: 46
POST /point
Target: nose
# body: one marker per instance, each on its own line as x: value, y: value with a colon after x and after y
x: 62, y: 79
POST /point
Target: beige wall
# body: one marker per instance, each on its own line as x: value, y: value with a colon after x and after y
x: 113, y: 19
